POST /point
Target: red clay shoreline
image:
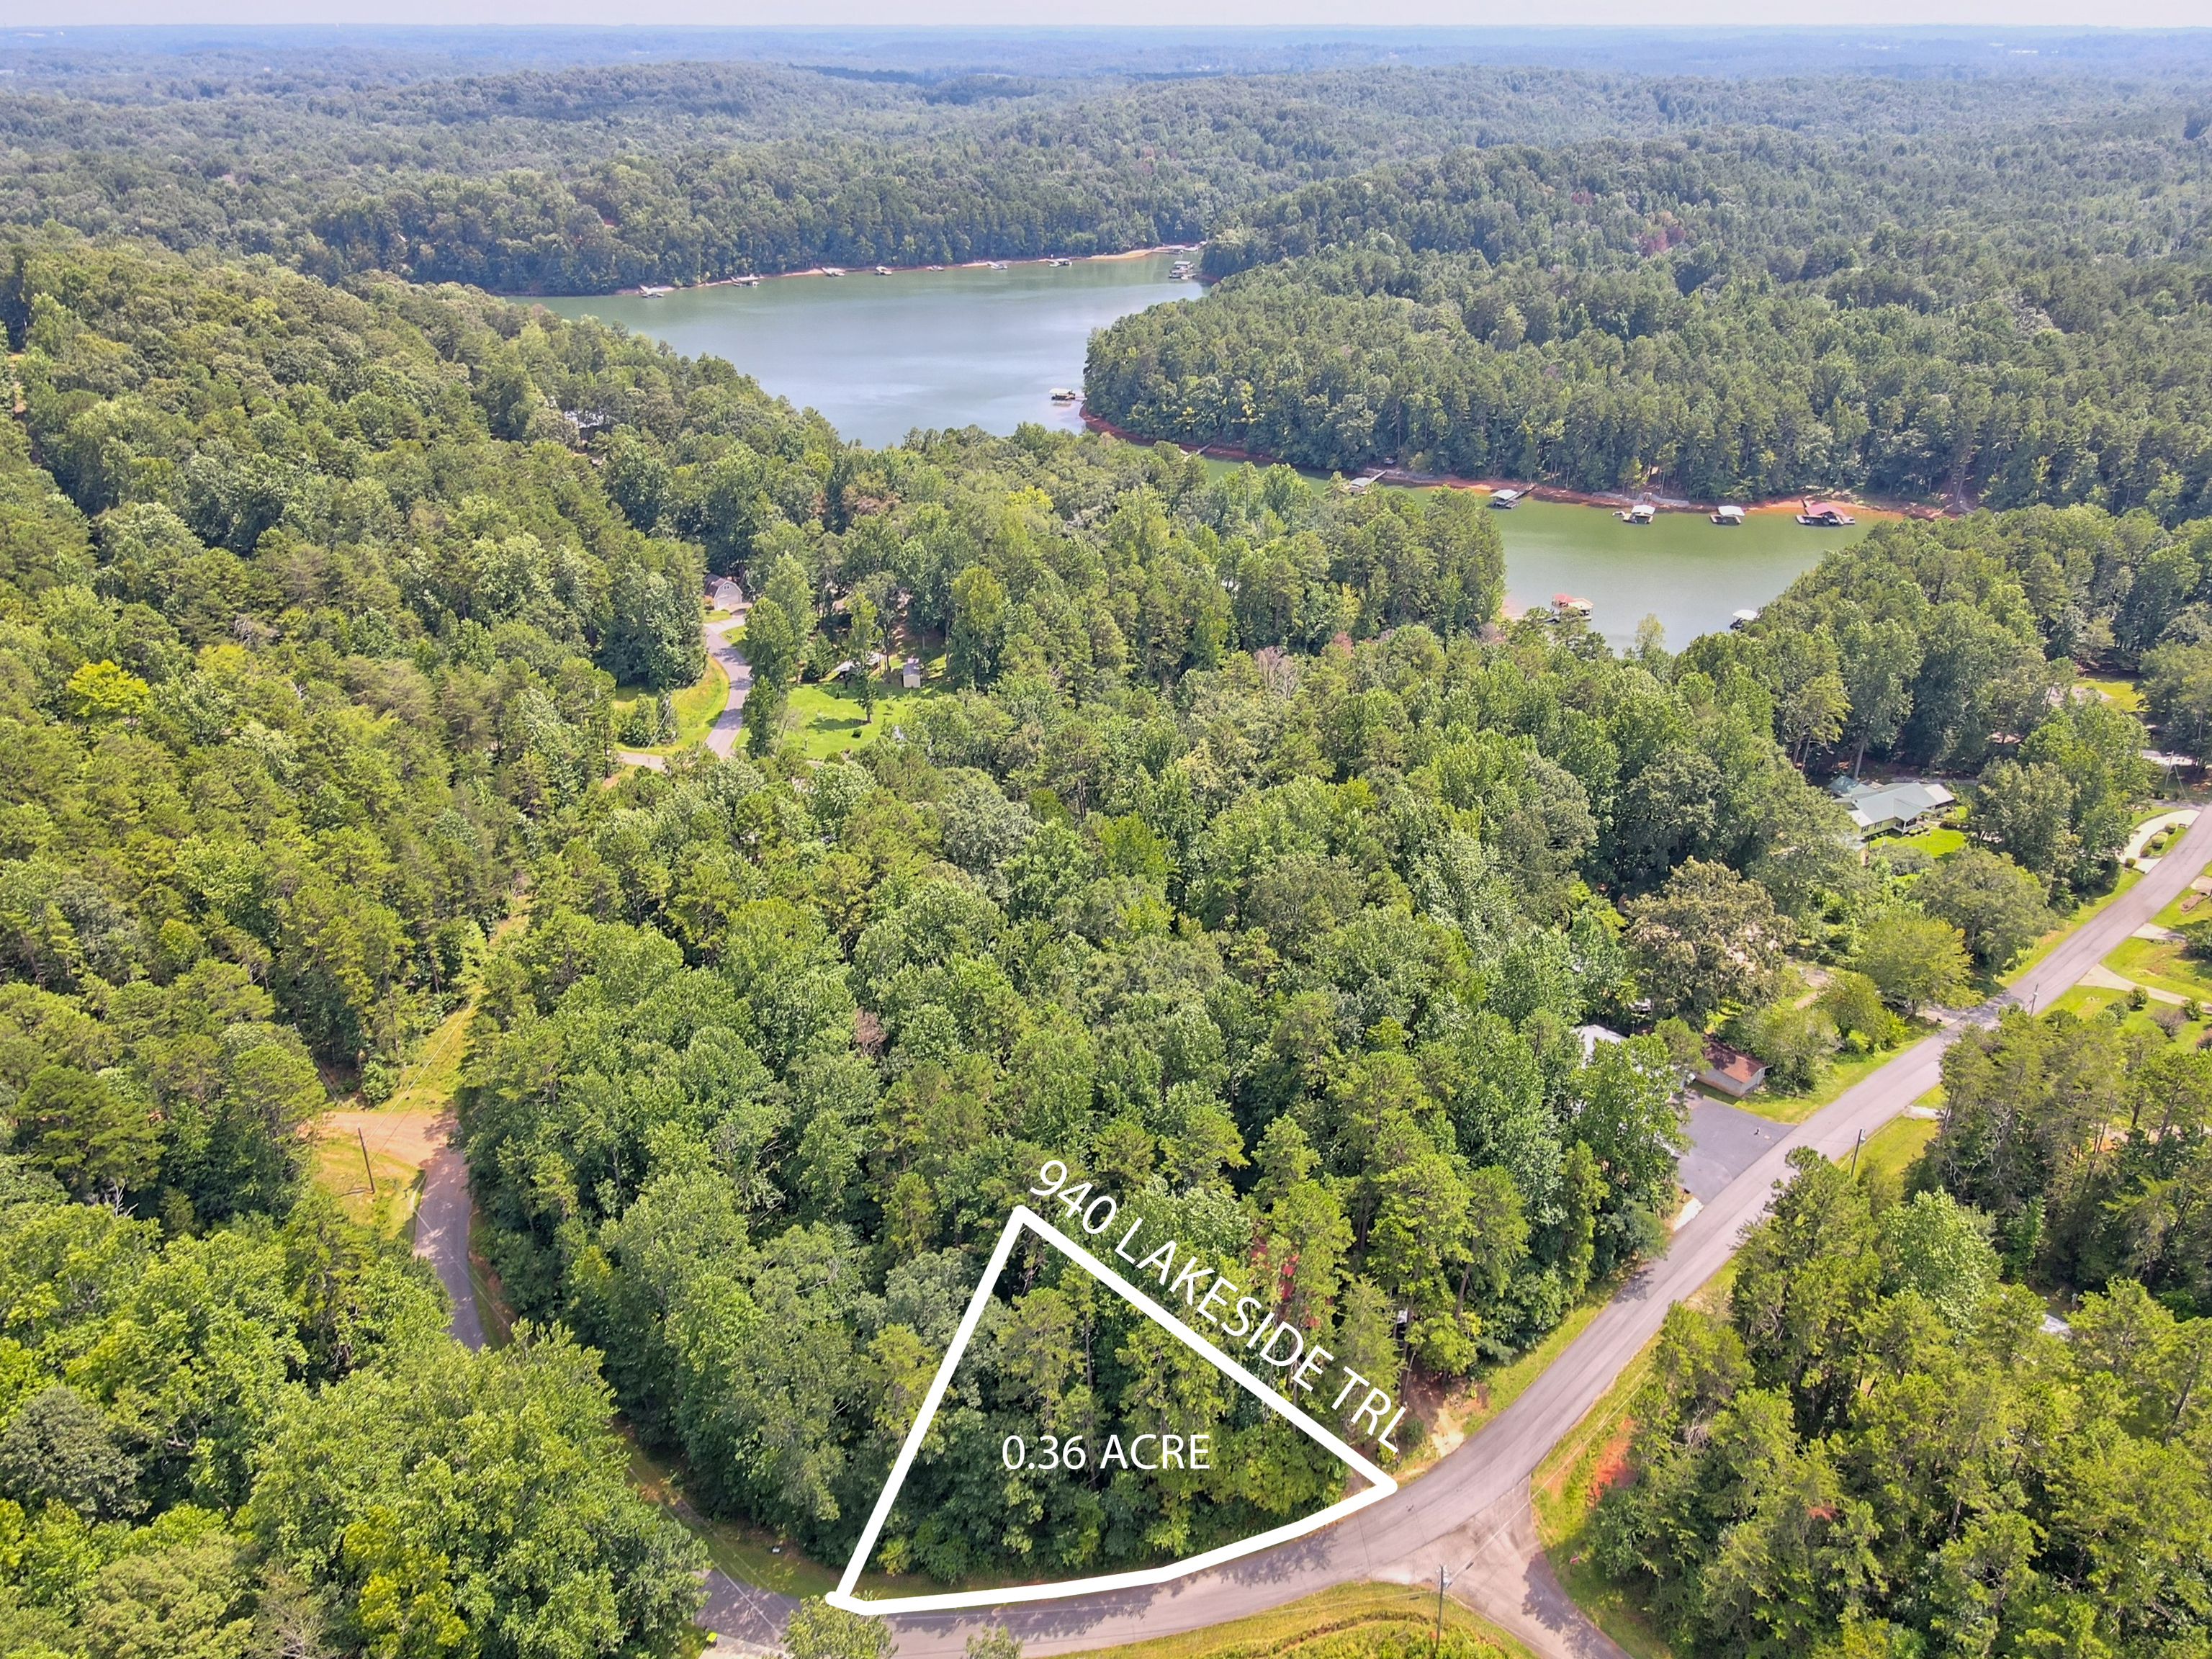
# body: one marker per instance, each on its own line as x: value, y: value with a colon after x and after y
x: 870, y: 271
x: 1539, y: 492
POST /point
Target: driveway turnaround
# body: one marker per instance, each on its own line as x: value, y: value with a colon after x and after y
x: 1725, y: 1140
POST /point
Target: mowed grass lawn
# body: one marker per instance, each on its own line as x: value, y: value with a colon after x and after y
x: 1346, y: 1616
x: 697, y: 705
x: 2121, y: 693
x: 2186, y: 908
x: 2163, y: 965
x: 827, y: 719
x: 2088, y: 1001
x: 1935, y: 841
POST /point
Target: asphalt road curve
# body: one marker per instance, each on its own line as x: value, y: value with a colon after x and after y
x: 1469, y: 1514
x: 729, y: 724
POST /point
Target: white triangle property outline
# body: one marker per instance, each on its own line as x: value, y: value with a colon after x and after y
x: 1380, y: 1486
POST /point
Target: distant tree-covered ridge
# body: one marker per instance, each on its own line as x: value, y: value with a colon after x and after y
x: 590, y: 179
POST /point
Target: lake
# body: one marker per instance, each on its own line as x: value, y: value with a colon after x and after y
x: 881, y: 356
x: 1681, y: 567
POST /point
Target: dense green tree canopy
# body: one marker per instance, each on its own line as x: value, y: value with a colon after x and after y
x: 260, y: 1440
x: 1878, y: 1449
x: 586, y: 179
x: 1244, y: 858
x: 1724, y: 317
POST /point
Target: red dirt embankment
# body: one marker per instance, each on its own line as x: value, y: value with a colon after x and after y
x: 1538, y: 492
x: 956, y: 264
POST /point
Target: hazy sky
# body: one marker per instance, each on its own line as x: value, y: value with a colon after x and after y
x: 1995, y: 13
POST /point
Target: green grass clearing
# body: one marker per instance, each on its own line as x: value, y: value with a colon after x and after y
x: 2186, y: 908
x: 1892, y: 1148
x: 1342, y: 1610
x: 340, y: 1170
x: 2089, y: 1000
x: 1936, y: 841
x: 2160, y: 964
x: 696, y: 706
x: 2121, y: 693
x: 827, y: 718
x: 2083, y: 1000
x: 429, y: 1082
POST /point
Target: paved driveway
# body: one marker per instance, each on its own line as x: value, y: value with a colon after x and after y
x: 1725, y: 1140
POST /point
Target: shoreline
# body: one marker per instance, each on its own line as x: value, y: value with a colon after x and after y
x: 751, y: 279
x: 1405, y: 479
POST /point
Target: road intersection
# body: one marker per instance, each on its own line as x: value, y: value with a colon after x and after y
x: 1471, y: 1510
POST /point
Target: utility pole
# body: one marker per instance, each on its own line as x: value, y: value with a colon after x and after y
x: 1860, y: 1142
x: 366, y: 1165
x: 1444, y: 1576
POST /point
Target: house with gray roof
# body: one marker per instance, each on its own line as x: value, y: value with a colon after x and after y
x: 1883, y: 808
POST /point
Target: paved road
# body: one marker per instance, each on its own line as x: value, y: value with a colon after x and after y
x: 729, y: 725
x: 1471, y: 1510
x: 442, y: 1237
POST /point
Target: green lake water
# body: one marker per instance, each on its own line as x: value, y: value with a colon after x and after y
x: 1681, y: 567
x: 882, y: 355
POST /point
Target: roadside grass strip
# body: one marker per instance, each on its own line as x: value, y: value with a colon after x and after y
x: 1343, y: 1619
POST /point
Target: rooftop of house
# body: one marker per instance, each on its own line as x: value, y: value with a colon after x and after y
x: 1591, y: 1036
x: 1733, y: 1064
x: 1876, y: 805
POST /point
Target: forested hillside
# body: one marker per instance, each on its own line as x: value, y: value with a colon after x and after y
x: 1877, y: 1449
x: 307, y: 625
x: 1286, y: 944
x: 1242, y: 874
x: 585, y: 179
x: 1243, y: 860
x: 261, y: 1441
x: 2015, y: 319
x: 1240, y: 858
